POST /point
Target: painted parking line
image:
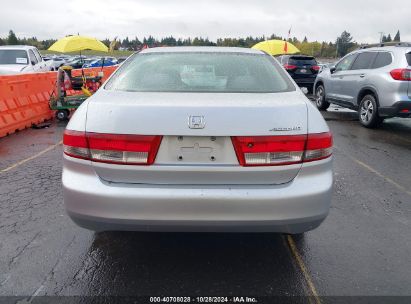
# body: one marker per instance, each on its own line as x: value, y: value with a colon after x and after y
x: 304, y: 270
x: 15, y: 165
x: 379, y: 174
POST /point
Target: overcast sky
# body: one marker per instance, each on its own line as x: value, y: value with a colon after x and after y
x: 321, y: 20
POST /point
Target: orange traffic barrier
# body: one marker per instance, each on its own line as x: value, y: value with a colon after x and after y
x: 24, y: 98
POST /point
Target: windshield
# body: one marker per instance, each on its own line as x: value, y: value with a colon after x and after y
x: 201, y: 72
x: 13, y: 57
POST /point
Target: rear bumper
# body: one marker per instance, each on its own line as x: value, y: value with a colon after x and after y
x: 295, y: 207
x: 396, y: 110
x: 305, y: 82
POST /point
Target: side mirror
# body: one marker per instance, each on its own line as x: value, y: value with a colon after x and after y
x: 332, y: 69
x: 304, y: 90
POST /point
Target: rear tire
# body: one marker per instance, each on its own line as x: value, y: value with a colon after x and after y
x: 368, y: 112
x: 320, y: 101
x: 62, y: 115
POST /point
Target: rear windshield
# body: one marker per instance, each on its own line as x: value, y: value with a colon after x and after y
x: 302, y: 61
x: 13, y: 57
x: 408, y: 55
x: 201, y: 72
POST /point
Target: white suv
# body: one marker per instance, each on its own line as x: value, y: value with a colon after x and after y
x: 16, y: 59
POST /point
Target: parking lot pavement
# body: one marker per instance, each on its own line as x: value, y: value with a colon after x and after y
x: 363, y: 248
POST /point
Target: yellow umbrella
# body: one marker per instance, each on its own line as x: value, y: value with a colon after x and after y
x: 78, y: 43
x: 276, y: 47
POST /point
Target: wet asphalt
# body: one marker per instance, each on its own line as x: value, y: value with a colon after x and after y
x: 362, y: 249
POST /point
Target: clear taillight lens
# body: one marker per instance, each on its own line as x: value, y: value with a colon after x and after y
x: 112, y: 148
x: 282, y: 150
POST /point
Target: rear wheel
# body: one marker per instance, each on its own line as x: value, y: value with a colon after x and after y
x: 320, y: 101
x: 62, y: 115
x: 368, y: 112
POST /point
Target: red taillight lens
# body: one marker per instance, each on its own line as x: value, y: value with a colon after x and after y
x: 269, y: 150
x: 123, y: 149
x: 75, y: 144
x: 290, y: 67
x: 319, y: 146
x: 281, y: 150
x: 112, y: 148
x: 315, y: 68
x: 401, y: 74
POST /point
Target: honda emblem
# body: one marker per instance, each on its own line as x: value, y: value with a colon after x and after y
x: 196, y: 122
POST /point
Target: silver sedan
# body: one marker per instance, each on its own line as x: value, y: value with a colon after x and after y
x: 198, y: 139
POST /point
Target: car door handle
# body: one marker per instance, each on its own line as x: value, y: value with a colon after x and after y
x: 362, y: 75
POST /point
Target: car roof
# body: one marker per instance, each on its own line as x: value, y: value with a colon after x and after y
x: 404, y: 49
x: 203, y: 49
x: 17, y: 47
x: 301, y: 56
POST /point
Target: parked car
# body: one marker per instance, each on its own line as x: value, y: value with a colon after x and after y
x: 101, y: 62
x: 374, y: 81
x: 55, y: 62
x: 21, y: 59
x: 198, y: 139
x: 79, y: 62
x: 324, y: 66
x: 303, y: 69
x: 75, y: 63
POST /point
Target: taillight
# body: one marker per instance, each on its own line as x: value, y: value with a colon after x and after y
x: 269, y: 150
x: 315, y: 68
x: 281, y: 150
x: 319, y: 146
x: 75, y: 144
x: 112, y: 148
x: 290, y: 67
x: 401, y: 74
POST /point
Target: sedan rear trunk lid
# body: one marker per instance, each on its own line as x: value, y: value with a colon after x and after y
x: 217, y: 117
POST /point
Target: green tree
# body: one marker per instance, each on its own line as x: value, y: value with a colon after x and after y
x: 389, y: 39
x: 125, y: 43
x: 12, y: 39
x: 397, y: 36
x: 309, y: 48
x: 150, y: 41
x: 106, y: 41
x: 169, y: 41
x: 344, y: 44
x: 275, y: 37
